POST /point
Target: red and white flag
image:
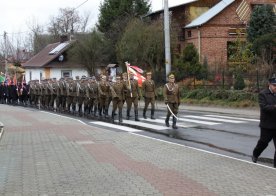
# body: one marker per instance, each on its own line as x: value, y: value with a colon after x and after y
x: 137, y: 72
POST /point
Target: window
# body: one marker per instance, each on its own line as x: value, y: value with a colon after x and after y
x: 30, y: 78
x: 40, y: 76
x: 189, y: 33
x: 66, y: 73
x: 236, y: 31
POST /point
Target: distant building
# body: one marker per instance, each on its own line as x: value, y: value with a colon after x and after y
x: 211, y: 25
x: 52, y: 62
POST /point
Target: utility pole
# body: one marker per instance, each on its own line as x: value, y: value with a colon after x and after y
x: 167, y: 38
x: 6, y: 53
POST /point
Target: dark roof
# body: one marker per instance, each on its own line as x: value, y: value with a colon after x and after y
x: 43, y: 57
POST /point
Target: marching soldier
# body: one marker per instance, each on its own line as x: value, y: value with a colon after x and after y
x: 53, y: 93
x: 92, y: 94
x: 117, y: 91
x: 172, y: 100
x: 149, y: 94
x: 104, y: 89
x: 82, y: 93
x: 61, y: 99
x: 32, y: 92
x: 132, y: 96
x: 70, y: 92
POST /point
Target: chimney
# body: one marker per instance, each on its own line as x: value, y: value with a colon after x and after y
x: 63, y: 38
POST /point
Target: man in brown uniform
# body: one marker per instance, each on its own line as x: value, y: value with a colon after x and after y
x: 148, y: 90
x: 132, y: 96
x: 172, y: 100
x: 104, y: 89
x: 117, y: 91
x: 91, y: 102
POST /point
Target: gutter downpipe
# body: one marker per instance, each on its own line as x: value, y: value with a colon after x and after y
x: 199, y: 44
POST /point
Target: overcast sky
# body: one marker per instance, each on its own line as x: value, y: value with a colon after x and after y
x: 16, y: 14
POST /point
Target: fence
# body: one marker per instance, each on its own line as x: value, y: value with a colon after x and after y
x: 222, y: 80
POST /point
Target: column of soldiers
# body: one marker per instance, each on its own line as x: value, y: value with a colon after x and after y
x: 92, y: 98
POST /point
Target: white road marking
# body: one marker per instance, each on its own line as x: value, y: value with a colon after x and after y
x: 163, y: 122
x: 213, y: 119
x: 197, y: 121
x: 142, y: 124
x: 237, y: 118
x: 120, y: 127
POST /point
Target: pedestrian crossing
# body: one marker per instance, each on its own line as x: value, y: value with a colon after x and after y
x: 184, y: 121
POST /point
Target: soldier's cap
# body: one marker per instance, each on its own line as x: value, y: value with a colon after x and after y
x: 93, y: 78
x: 103, y: 76
x: 149, y: 73
x: 83, y: 77
x: 118, y: 77
x: 171, y: 76
x: 124, y: 74
x: 272, y: 80
x: 77, y: 77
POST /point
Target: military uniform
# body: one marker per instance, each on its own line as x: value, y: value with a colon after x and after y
x: 149, y: 94
x: 171, y: 95
x: 92, y: 94
x: 117, y: 91
x: 53, y: 93
x: 61, y: 99
x: 71, y: 94
x: 132, y: 96
x: 82, y: 93
x: 104, y: 89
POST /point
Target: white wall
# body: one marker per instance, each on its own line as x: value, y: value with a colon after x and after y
x: 54, y: 73
x: 35, y: 74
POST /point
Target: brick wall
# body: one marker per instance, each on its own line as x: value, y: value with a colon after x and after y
x: 214, y: 36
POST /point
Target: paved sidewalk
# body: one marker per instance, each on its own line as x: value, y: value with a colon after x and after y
x: 45, y: 154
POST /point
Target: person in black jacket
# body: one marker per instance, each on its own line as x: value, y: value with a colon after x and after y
x: 2, y: 92
x: 267, y: 102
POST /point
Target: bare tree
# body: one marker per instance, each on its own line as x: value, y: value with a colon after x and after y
x: 68, y: 21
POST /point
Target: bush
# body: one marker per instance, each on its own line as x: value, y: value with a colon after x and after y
x: 239, y: 83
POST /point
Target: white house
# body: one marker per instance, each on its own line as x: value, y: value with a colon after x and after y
x: 52, y: 62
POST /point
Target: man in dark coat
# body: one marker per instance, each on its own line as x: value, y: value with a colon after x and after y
x: 267, y: 102
x: 2, y: 92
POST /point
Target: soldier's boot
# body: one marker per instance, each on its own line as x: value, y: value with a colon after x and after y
x: 120, y: 116
x: 174, y: 123
x: 112, y: 116
x: 136, y: 115
x: 128, y: 116
x: 144, y: 114
x: 106, y: 113
x: 152, y: 114
x: 167, y: 120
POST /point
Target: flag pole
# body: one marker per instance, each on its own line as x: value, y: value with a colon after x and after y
x: 127, y: 65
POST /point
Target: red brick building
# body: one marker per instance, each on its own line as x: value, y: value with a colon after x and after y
x: 211, y: 25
